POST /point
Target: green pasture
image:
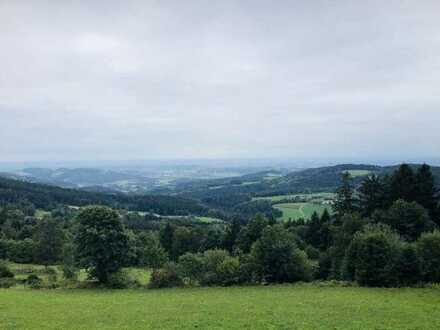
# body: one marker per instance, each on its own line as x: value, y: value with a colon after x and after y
x: 296, y: 211
x: 356, y: 173
x: 303, y: 306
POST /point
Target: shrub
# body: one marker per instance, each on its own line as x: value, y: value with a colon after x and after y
x: 69, y: 268
x: 121, y: 280
x: 428, y: 249
x: 219, y: 268
x: 372, y: 256
x: 228, y: 271
x: 408, y: 265
x: 149, y: 252
x: 5, y: 272
x: 166, y: 277
x: 34, y: 282
x: 191, y: 268
x: 248, y: 270
x: 279, y: 258
x: 7, y: 282
x: 52, y: 278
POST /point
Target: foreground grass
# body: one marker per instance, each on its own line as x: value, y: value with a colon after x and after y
x: 273, y: 307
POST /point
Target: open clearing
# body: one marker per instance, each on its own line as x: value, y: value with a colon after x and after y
x: 303, y: 306
x: 296, y: 211
x: 309, y: 197
x: 356, y: 173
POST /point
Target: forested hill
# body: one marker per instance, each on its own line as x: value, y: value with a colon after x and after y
x: 321, y: 179
x: 47, y: 197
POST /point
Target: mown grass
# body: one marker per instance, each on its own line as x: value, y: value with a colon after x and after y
x: 309, y: 197
x: 356, y: 173
x: 209, y: 220
x: 296, y: 211
x: 272, y: 307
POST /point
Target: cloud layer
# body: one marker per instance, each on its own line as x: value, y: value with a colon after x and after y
x: 183, y: 79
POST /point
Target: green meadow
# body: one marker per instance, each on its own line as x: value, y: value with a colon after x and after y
x: 309, y: 197
x: 356, y: 173
x: 302, y: 306
x: 296, y: 211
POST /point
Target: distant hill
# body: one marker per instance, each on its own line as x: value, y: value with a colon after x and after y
x: 48, y: 197
x: 321, y: 179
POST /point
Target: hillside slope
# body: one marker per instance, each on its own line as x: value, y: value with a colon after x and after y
x: 47, y: 197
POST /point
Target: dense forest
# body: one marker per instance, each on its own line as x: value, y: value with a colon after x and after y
x: 48, y: 197
x: 382, y: 230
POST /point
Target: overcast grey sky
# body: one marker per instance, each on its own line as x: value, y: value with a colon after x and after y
x: 180, y: 79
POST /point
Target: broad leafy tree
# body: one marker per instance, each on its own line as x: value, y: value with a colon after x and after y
x: 102, y: 243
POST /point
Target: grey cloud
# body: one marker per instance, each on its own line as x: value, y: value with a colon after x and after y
x: 183, y: 79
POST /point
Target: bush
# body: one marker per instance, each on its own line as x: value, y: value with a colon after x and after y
x: 191, y: 268
x: 121, y: 280
x: 34, y: 282
x: 7, y: 282
x: 428, y: 249
x: 148, y: 251
x: 228, y: 271
x: 69, y: 268
x: 166, y: 277
x: 5, y: 272
x: 52, y: 278
x: 312, y: 253
x: 408, y: 265
x: 278, y: 257
x: 372, y: 256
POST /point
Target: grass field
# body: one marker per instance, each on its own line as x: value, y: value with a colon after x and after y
x: 309, y: 197
x: 296, y: 211
x: 356, y: 173
x: 209, y: 220
x: 272, y: 307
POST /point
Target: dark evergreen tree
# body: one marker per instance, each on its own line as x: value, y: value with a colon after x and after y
x: 313, y: 231
x: 409, y: 219
x: 345, y: 201
x: 428, y: 250
x: 408, y: 265
x: 425, y: 190
x: 231, y: 235
x: 325, y: 231
x: 403, y: 184
x: 48, y: 241
x: 166, y: 237
x: 372, y: 195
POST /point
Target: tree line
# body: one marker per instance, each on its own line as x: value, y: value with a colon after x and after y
x: 384, y: 232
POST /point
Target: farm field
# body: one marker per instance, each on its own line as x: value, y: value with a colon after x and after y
x: 296, y: 211
x: 209, y: 220
x: 304, y: 306
x: 312, y: 196
x: 356, y: 173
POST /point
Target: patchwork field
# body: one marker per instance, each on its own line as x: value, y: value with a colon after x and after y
x: 296, y: 211
x: 356, y: 173
x: 309, y: 197
x: 273, y: 307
